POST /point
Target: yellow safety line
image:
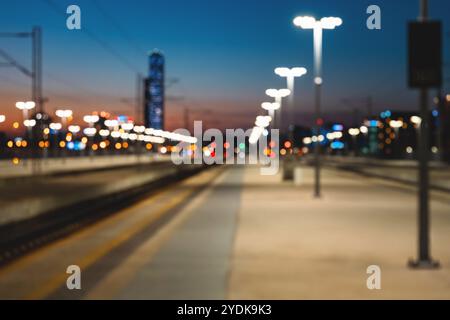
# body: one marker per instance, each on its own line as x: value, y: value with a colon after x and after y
x: 58, y: 280
x: 123, y: 273
x: 82, y: 233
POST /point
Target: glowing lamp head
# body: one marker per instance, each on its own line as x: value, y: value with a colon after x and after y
x: 330, y: 22
x: 64, y: 113
x: 263, y: 121
x: 104, y: 133
x: 29, y: 123
x: 396, y: 124
x: 25, y: 105
x: 364, y: 130
x: 91, y: 119
x: 111, y: 123
x: 280, y: 93
x: 74, y: 129
x: 270, y: 106
x: 55, y: 126
x: 90, y: 132
x: 294, y: 72
x: 305, y: 22
x: 311, y: 22
x: 416, y: 120
x: 127, y: 126
x: 2, y: 118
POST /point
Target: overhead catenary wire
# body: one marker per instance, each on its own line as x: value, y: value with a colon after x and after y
x: 124, y: 34
x: 96, y: 39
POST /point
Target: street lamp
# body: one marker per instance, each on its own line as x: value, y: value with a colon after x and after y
x: 290, y: 75
x: 417, y: 121
x: 91, y: 131
x: 29, y: 123
x: 91, y: 119
x: 270, y: 107
x: 25, y: 107
x: 263, y: 121
x: 55, y: 126
x: 2, y: 118
x: 317, y: 26
x: 74, y: 129
x: 112, y: 124
x: 64, y: 115
x: 127, y: 126
x: 278, y: 95
x: 354, y: 132
x: 396, y: 124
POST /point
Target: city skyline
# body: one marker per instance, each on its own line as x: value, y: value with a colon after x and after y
x: 210, y: 65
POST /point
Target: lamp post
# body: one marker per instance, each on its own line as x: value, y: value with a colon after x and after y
x: 317, y: 26
x: 74, y: 129
x: 64, y: 115
x: 2, y: 119
x: 91, y: 119
x: 417, y: 122
x: 271, y: 107
x: 25, y: 107
x: 278, y: 95
x: 424, y: 259
x: 354, y: 133
x: 290, y: 75
x: 396, y: 125
x: 91, y: 131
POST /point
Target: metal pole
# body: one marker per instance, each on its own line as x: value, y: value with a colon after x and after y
x: 424, y: 179
x: 277, y: 113
x: 317, y: 125
x: 34, y: 67
x: 424, y: 259
x: 423, y: 10
x: 37, y: 68
x: 439, y: 130
x: 317, y: 145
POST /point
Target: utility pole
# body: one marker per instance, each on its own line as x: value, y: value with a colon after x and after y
x: 35, y: 74
x: 36, y: 79
x: 36, y: 63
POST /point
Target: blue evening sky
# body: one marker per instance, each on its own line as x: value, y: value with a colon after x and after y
x: 222, y: 52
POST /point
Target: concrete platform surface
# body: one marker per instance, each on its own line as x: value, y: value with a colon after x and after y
x: 232, y: 233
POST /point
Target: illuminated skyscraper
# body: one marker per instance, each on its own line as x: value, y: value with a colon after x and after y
x: 154, y: 92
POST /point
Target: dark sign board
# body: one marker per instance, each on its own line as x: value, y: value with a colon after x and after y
x: 425, y: 54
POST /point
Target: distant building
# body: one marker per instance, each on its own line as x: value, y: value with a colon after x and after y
x: 400, y: 143
x: 154, y: 92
